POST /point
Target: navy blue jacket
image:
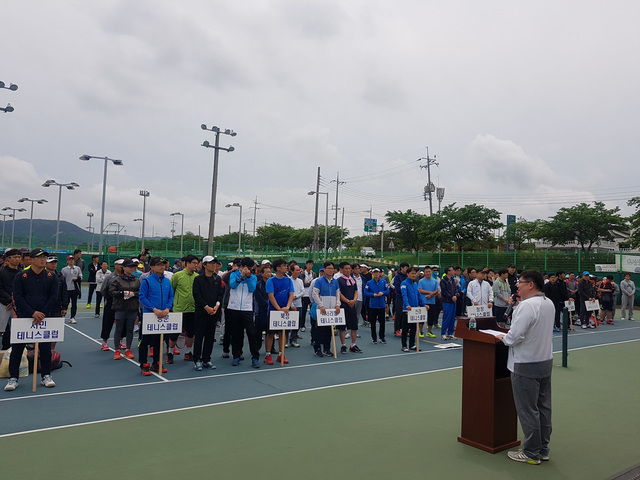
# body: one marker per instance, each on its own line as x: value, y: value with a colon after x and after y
x: 35, y: 293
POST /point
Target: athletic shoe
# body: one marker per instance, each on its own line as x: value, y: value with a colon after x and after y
x: 318, y: 353
x: 117, y: 355
x: 129, y: 354
x: 405, y: 349
x: 302, y: 329
x: 544, y: 458
x: 445, y: 337
x: 609, y: 322
x: 209, y: 365
x: 198, y: 367
x: 584, y: 326
x: 47, y: 381
x: 169, y: 358
x: 255, y: 363
x: 72, y: 321
x: 156, y: 368
x: 146, y: 369
x: 11, y: 385
x: 328, y: 353
x: 412, y: 347
x: 355, y: 349
x: 123, y: 346
x: 236, y: 362
x: 430, y: 335
x: 282, y: 358
x: 188, y: 357
x: 268, y: 360
x: 556, y: 330
x: 97, y: 315
x: 437, y: 325
x: 225, y: 354
x: 421, y: 335
x: 452, y: 337
x: 577, y: 322
x: 294, y: 344
x: 374, y: 341
x: 520, y: 456
x: 383, y: 341
x: 343, y: 349
x: 623, y: 321
x: 176, y: 351
x: 398, y: 333
x: 105, y: 347
x: 88, y: 305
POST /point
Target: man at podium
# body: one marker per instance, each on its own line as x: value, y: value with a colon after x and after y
x: 530, y: 342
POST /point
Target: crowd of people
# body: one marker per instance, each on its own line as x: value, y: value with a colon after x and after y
x: 240, y: 299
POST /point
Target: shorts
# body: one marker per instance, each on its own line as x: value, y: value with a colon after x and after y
x: 351, y: 317
x: 188, y: 323
x: 607, y: 305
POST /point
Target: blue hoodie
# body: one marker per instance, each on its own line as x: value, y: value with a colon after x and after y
x: 410, y: 295
x: 156, y: 292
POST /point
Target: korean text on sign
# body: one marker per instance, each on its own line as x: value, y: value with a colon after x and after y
x: 153, y: 325
x: 331, y: 318
x: 278, y: 320
x: 23, y: 330
x: 417, y: 315
x: 478, y: 311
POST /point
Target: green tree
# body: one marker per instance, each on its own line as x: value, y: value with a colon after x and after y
x: 522, y: 232
x: 634, y: 220
x: 406, y: 227
x: 588, y: 225
x: 468, y: 227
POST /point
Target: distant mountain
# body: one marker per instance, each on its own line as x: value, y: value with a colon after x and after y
x: 44, y: 234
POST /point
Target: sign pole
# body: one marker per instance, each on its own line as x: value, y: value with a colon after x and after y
x: 35, y: 366
x: 282, y: 347
x: 417, y: 338
x: 333, y: 340
x: 160, y: 361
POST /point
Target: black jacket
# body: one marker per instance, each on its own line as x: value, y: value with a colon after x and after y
x: 35, y: 292
x: 207, y: 291
x: 7, y: 275
x: 117, y: 289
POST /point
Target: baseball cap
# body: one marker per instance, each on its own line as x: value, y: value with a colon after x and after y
x: 11, y: 252
x: 129, y: 263
x: 156, y: 261
x: 38, y: 252
x: 586, y: 273
x: 265, y: 261
x: 364, y: 265
x: 207, y: 259
x: 119, y: 261
x: 52, y: 259
x: 375, y: 269
x: 25, y: 251
x: 69, y: 257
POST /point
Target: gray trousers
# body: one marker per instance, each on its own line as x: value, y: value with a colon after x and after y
x: 532, y: 397
x: 627, y: 304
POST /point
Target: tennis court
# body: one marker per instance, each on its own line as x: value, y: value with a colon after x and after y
x: 382, y: 414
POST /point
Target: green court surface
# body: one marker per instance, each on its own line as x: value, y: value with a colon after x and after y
x: 404, y: 427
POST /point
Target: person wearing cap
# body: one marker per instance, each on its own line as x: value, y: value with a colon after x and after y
x: 124, y: 291
x: 35, y: 293
x: 207, y: 296
x: 73, y: 276
x: 587, y: 293
x: 411, y: 298
x: 177, y: 265
x: 26, y: 258
x: 377, y: 290
x: 102, y: 273
x: 8, y: 272
x: 156, y: 296
x: 62, y: 303
x: 182, y: 284
x: 109, y: 315
x: 143, y: 260
x: 298, y: 286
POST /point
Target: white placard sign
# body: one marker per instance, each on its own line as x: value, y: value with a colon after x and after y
x: 476, y: 311
x: 417, y: 315
x: 331, y: 318
x: 51, y: 329
x: 571, y: 306
x: 278, y: 320
x: 152, y: 325
x: 591, y: 306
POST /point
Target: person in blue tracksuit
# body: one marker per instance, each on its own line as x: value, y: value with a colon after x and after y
x: 376, y: 290
x: 410, y: 298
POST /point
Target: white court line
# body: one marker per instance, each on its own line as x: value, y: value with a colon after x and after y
x: 273, y: 395
x: 226, y: 402
x: 137, y: 364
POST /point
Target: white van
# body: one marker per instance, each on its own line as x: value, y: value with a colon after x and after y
x: 367, y: 252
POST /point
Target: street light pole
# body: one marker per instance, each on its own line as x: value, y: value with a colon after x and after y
x: 240, y: 224
x: 90, y: 215
x: 144, y: 194
x: 69, y: 186
x: 86, y: 158
x: 181, y: 230
x: 4, y: 221
x: 13, y: 220
x: 13, y: 87
x: 214, y: 182
x: 40, y: 201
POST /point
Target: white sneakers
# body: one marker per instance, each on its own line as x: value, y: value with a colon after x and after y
x: 47, y: 381
x: 11, y: 385
x: 72, y: 321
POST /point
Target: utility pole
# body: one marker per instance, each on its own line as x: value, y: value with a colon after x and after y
x: 315, y: 223
x: 381, y: 243
x: 338, y: 183
x: 342, y: 230
x: 429, y: 189
x: 255, y: 209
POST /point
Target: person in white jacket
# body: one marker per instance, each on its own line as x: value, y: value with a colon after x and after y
x: 101, y: 274
x: 479, y: 291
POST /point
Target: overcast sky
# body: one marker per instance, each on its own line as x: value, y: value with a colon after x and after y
x: 527, y: 106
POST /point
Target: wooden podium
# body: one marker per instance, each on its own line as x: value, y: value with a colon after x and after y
x: 489, y: 419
